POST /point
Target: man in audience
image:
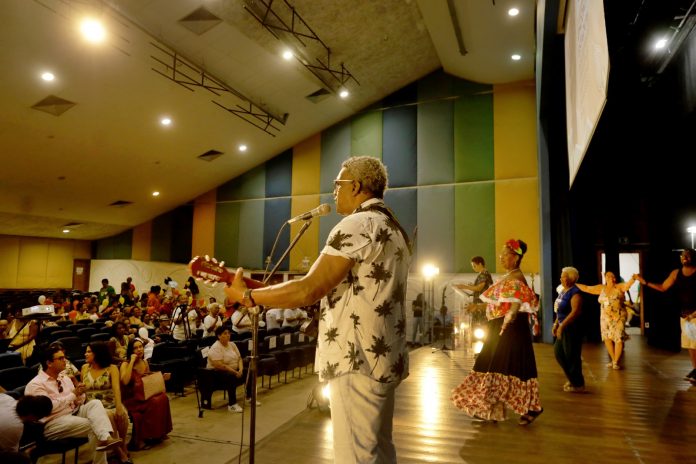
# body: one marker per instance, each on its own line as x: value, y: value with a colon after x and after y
x: 274, y: 318
x: 292, y: 317
x: 71, y: 415
x: 106, y: 291
x: 3, y: 328
x: 212, y: 321
x: 13, y: 415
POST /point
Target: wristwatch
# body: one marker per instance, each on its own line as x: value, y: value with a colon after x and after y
x: 247, y: 297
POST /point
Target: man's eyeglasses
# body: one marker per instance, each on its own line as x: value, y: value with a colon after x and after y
x: 337, y: 182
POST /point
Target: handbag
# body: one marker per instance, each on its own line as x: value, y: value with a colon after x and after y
x: 153, y: 384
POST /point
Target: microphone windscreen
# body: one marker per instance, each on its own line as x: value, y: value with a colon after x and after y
x: 323, y: 209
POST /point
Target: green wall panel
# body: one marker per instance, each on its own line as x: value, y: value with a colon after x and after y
x: 249, y: 185
x: 117, y: 247
x: 473, y: 133
x: 335, y: 148
x: 250, y: 254
x: 227, y: 232
x: 162, y: 237
x: 366, y: 134
x: 474, y: 221
x: 435, y: 144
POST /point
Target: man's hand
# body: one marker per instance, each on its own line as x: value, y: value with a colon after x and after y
x: 235, y: 291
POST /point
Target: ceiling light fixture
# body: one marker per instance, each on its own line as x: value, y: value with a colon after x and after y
x: 155, y: 193
x: 48, y: 76
x: 93, y: 30
x: 66, y: 231
x: 516, y: 57
x: 343, y: 93
x: 513, y: 11
x: 165, y: 121
x: 287, y: 55
x: 242, y: 148
x: 660, y: 44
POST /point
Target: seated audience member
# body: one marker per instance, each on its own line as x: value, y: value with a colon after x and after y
x: 102, y: 382
x: 3, y: 328
x: 13, y: 415
x: 274, y: 318
x: 240, y: 320
x: 72, y: 415
x: 163, y: 326
x: 120, y: 340
x: 135, y: 318
x: 23, y: 335
x: 148, y: 343
x: 292, y: 317
x: 212, y: 321
x: 152, y: 419
x: 224, y: 356
x: 148, y: 321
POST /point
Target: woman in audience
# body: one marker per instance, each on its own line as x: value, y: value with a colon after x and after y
x: 120, y: 341
x: 103, y: 382
x: 152, y: 419
x: 224, y: 357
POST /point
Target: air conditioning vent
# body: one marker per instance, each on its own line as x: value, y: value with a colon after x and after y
x: 200, y: 21
x: 121, y: 203
x: 210, y: 155
x: 319, y: 95
x: 54, y: 105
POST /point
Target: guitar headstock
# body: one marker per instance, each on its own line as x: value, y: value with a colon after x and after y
x: 209, y: 270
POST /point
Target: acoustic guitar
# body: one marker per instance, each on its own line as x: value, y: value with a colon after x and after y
x: 212, y: 271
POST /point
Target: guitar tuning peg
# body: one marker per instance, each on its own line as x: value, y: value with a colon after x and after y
x: 199, y: 279
x: 193, y: 259
x: 207, y: 258
x: 214, y: 260
x: 214, y: 284
x: 222, y: 264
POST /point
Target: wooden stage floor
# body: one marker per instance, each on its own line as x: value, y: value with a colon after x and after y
x: 645, y: 413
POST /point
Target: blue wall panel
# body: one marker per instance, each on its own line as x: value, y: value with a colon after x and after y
x: 436, y: 227
x: 327, y: 222
x: 276, y: 212
x: 335, y: 148
x: 436, y: 143
x: 279, y: 175
x: 404, y: 205
x: 399, y: 151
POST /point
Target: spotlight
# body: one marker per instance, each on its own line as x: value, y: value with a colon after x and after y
x: 343, y: 94
x: 48, y: 76
x: 287, y: 55
x: 513, y: 11
x: 93, y: 30
x: 660, y: 44
x: 242, y: 148
x: 478, y: 346
x: 479, y: 333
x: 155, y: 194
x: 516, y: 57
x: 66, y: 231
x: 321, y: 397
x: 166, y: 121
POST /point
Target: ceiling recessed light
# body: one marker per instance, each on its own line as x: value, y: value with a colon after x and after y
x: 166, y: 121
x: 516, y: 57
x: 513, y: 11
x: 155, y: 194
x: 242, y: 147
x: 47, y: 76
x: 660, y: 44
x: 343, y: 93
x: 93, y: 30
x: 66, y: 231
x: 287, y: 55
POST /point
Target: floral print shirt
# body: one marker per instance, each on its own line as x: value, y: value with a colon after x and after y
x: 502, y: 294
x: 362, y: 325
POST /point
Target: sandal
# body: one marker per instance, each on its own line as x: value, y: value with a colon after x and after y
x: 530, y: 417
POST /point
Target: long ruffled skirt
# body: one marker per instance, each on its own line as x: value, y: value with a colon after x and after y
x: 504, y: 374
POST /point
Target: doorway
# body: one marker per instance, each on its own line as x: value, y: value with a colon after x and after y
x: 80, y: 277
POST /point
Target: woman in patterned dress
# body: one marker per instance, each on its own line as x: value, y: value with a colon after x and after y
x: 504, y: 374
x: 103, y: 383
x: 613, y: 314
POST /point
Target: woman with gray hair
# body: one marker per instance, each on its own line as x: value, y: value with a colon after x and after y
x: 568, y: 330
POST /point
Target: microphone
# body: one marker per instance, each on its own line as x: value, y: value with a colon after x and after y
x: 321, y: 210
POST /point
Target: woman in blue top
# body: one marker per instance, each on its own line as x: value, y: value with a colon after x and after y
x: 568, y: 330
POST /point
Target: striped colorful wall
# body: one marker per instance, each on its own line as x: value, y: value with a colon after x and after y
x: 462, y: 166
x: 463, y: 169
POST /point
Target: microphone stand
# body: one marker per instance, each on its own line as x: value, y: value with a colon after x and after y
x: 253, y: 368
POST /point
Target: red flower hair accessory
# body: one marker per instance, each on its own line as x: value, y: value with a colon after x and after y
x: 514, y: 245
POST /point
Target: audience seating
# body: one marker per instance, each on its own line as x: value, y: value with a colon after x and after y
x: 86, y: 333
x: 15, y: 377
x: 84, y: 321
x: 10, y: 359
x: 33, y: 436
x: 100, y: 337
x: 60, y: 334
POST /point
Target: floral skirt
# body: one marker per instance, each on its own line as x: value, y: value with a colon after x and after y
x: 504, y: 374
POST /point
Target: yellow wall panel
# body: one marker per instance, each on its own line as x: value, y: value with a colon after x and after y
x: 142, y: 241
x: 306, y: 157
x: 203, y: 235
x: 59, y: 264
x: 517, y: 216
x: 309, y: 243
x: 33, y: 260
x: 514, y: 130
x: 9, y: 257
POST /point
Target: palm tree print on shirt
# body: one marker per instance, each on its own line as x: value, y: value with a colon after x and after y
x: 379, y: 274
x: 338, y: 241
x: 379, y: 348
x: 353, y: 357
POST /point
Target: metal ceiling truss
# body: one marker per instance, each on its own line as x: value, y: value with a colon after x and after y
x: 189, y: 76
x: 289, y: 23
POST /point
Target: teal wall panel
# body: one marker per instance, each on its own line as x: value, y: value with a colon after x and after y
x: 161, y: 247
x: 436, y: 227
x: 227, y: 233
x: 279, y: 175
x: 335, y: 148
x: 403, y: 203
x: 474, y: 221
x: 328, y: 222
x: 366, y: 134
x: 250, y: 254
x: 276, y: 212
x: 436, y: 143
x: 117, y: 247
x: 249, y: 185
x: 399, y: 145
